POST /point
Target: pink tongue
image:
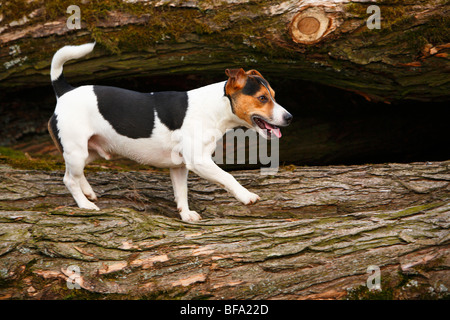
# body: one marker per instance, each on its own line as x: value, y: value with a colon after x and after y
x: 275, y: 131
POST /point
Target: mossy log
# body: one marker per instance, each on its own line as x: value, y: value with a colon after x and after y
x: 313, y: 235
x: 322, y: 41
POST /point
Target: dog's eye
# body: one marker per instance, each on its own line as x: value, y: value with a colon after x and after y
x: 263, y: 99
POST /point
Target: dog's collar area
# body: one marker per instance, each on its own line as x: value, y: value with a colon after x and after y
x: 229, y: 98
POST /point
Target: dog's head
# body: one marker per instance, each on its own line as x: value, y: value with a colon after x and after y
x: 253, y: 100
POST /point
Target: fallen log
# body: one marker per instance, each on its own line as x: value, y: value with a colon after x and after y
x: 313, y: 235
x: 328, y: 42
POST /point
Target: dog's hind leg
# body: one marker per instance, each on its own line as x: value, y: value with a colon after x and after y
x: 87, y: 189
x: 95, y: 152
x: 84, y: 184
x: 179, y: 180
x: 74, y: 178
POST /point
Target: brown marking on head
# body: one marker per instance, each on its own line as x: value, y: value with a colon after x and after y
x: 250, y: 94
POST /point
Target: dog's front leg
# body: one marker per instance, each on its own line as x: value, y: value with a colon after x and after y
x: 206, y: 168
x: 179, y: 181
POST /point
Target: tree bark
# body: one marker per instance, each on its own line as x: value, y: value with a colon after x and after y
x: 313, y: 235
x: 322, y: 41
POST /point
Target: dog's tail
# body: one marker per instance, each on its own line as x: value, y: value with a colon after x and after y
x: 61, y: 56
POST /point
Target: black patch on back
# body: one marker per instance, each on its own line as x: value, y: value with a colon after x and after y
x: 61, y: 86
x: 131, y: 113
x: 55, y: 131
x: 171, y: 107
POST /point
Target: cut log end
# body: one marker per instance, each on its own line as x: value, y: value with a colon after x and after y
x: 309, y: 26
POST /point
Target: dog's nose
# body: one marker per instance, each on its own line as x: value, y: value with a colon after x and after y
x: 287, y: 117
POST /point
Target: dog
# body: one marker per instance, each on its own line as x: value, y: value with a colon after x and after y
x: 95, y: 121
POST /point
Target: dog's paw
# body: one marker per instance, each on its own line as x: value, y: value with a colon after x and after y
x: 190, y: 216
x: 91, y: 196
x: 248, y: 198
x: 89, y: 206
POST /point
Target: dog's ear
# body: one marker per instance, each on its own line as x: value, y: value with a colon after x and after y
x: 254, y: 73
x: 236, y: 79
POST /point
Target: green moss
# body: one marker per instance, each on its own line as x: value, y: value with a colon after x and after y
x: 363, y: 293
x: 42, y: 207
x: 11, y: 153
x: 221, y: 17
x: 56, y: 8
x: 390, y: 14
x: 17, y: 9
x: 20, y: 160
x: 437, y: 30
x: 91, y: 11
x: 413, y: 210
x: 395, y: 17
x: 7, y: 207
x: 165, y: 24
x: 357, y: 9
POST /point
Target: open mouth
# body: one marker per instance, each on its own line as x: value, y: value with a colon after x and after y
x: 265, y: 125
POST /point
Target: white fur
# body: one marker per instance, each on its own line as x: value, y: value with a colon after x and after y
x: 68, y: 53
x: 278, y: 113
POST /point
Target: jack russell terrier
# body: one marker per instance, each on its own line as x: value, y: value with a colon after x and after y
x: 99, y: 121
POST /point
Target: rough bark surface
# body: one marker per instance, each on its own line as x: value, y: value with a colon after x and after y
x: 406, y: 58
x: 313, y: 235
